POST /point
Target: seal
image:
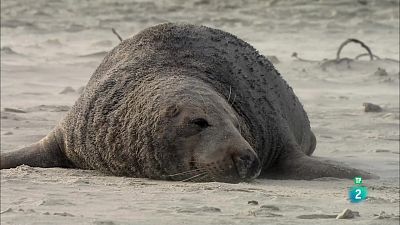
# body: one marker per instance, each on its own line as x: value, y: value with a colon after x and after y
x: 188, y: 103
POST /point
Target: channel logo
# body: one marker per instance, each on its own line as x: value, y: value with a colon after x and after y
x: 358, y: 193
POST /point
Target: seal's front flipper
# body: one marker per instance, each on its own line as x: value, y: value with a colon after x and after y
x: 302, y: 167
x: 45, y: 153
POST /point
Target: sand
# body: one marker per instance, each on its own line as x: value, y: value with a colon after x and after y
x: 49, y: 49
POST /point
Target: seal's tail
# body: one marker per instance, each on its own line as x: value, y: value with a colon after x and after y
x: 45, y: 153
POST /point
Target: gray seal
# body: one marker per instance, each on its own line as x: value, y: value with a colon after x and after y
x: 189, y: 103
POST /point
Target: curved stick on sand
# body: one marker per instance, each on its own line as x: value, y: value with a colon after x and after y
x: 371, y: 56
x: 118, y: 36
x: 366, y: 54
x: 377, y: 58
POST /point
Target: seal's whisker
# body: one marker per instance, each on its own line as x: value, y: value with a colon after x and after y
x: 211, y: 176
x: 230, y: 92
x: 187, y: 172
x: 205, y: 178
x: 200, y: 178
x: 204, y: 102
x: 194, y: 180
x: 184, y: 173
x: 193, y: 177
x: 233, y: 101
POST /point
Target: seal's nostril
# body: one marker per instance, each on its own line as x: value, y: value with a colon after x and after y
x: 242, y: 164
x: 247, y: 165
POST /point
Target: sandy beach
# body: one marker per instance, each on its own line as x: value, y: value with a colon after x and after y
x: 49, y: 49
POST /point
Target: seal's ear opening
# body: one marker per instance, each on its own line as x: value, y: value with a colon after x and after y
x: 172, y: 111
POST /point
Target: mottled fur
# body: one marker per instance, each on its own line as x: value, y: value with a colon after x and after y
x: 118, y: 125
x: 120, y: 96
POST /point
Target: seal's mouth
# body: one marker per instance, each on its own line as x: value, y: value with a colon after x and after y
x: 234, y: 168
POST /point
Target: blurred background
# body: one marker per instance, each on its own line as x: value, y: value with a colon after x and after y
x: 55, y: 31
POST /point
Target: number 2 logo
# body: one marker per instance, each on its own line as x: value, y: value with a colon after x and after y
x: 358, y: 194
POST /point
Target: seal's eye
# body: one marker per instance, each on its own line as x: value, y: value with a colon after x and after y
x: 200, y: 122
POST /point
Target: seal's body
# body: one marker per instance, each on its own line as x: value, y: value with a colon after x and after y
x: 184, y: 102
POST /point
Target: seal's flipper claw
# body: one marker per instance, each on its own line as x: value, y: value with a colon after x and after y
x: 307, y: 168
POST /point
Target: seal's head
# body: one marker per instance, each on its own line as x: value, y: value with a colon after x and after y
x: 201, y: 136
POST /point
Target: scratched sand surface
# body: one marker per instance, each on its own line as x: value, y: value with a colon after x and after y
x: 47, y: 46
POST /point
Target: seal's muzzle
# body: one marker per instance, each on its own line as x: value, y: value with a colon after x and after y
x: 247, y: 165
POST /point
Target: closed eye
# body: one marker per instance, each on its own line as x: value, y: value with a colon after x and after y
x: 200, y: 122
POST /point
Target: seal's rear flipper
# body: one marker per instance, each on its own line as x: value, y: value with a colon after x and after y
x: 303, y: 167
x: 45, y: 153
